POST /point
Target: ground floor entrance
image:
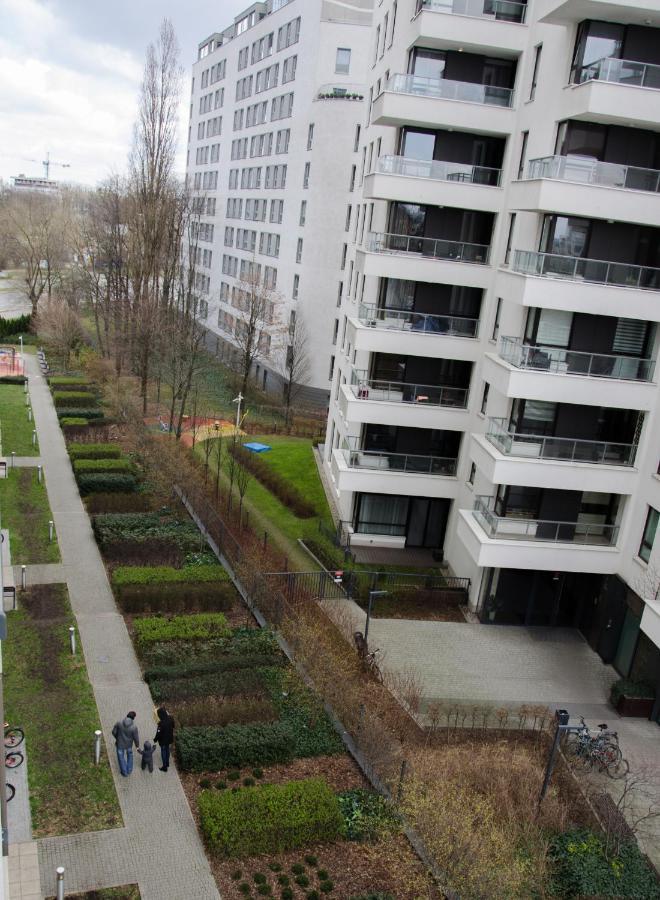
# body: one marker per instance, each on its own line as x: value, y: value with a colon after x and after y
x: 422, y: 521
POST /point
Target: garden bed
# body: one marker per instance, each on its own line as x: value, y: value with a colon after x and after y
x: 127, y: 892
x: 16, y: 430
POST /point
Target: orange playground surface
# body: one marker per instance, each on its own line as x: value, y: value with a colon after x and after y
x: 200, y: 428
x: 11, y: 362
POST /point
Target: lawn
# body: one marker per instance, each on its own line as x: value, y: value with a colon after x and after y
x: 16, y: 430
x: 25, y: 512
x: 48, y: 694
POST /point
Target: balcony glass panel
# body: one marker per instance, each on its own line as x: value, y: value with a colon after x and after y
x: 456, y: 251
x: 399, y: 462
x: 446, y: 89
x: 537, y: 446
x: 438, y: 170
x: 584, y: 170
x: 503, y: 10
x: 620, y: 71
x: 523, y: 529
x: 408, y: 320
x: 576, y: 268
x: 365, y: 388
x: 560, y: 360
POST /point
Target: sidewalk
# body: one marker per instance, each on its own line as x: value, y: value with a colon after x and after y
x: 159, y: 847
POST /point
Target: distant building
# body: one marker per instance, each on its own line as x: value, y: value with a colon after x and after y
x: 35, y: 183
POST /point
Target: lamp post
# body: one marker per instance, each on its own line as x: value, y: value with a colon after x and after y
x: 238, y: 400
x: 372, y: 594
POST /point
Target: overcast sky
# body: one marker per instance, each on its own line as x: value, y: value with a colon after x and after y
x: 70, y: 72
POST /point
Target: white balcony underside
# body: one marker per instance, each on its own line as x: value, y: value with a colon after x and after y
x: 416, y: 267
x: 578, y: 296
x: 556, y: 387
x: 394, y: 108
x: 564, y: 12
x: 612, y: 104
x: 413, y: 415
x: 385, y: 481
x: 587, y: 200
x: 544, y: 555
x: 436, y: 192
x: 528, y: 471
x: 412, y: 343
x: 474, y: 34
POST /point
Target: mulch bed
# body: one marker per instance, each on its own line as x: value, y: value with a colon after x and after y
x: 126, y: 892
x: 419, y: 609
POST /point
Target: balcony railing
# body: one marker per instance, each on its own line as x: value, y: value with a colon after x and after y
x: 340, y: 92
x: 538, y: 446
x: 365, y: 388
x: 560, y: 360
x: 407, y: 320
x: 527, y: 529
x: 576, y: 268
x: 502, y: 10
x: 445, y: 89
x: 620, y: 71
x: 383, y: 460
x: 583, y: 170
x: 437, y: 248
x: 438, y: 170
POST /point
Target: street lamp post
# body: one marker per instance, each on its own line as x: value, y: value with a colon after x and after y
x: 372, y: 594
x: 239, y: 401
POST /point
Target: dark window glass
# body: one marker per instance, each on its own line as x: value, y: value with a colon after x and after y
x: 648, y: 537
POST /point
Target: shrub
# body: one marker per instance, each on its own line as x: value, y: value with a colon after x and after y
x: 236, y: 875
x: 626, y: 687
x: 12, y: 379
x: 283, y: 489
x: 189, y: 628
x: 297, y: 868
x: 322, y: 875
x: 222, y: 684
x: 194, y: 668
x: 270, y: 819
x: 205, y: 783
x: 213, y: 748
x: 313, y: 895
x: 68, y: 412
x: 241, y: 641
x: 302, y: 880
x: 259, y: 773
x: 264, y: 890
x: 330, y: 557
x: 287, y: 894
x: 326, y: 886
x: 73, y: 399
x: 15, y: 325
x: 284, y: 880
x: 248, y: 782
x: 142, y: 527
x: 244, y: 887
x: 94, y: 451
x: 312, y: 861
x: 234, y: 776
x: 70, y: 382
x: 96, y: 466
x: 366, y: 815
x: 106, y: 483
x: 224, y: 711
x: 158, y: 575
x: 377, y: 896
x: 73, y: 420
x: 117, y: 503
x: 259, y: 877
x: 275, y: 867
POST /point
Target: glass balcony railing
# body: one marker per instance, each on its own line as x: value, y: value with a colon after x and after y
x: 519, y: 527
x: 407, y: 320
x: 502, y: 10
x: 560, y: 360
x: 576, y: 268
x: 445, y: 89
x: 438, y: 170
x: 415, y: 463
x: 539, y: 446
x: 584, y: 170
x: 620, y: 71
x: 437, y: 248
x: 365, y: 388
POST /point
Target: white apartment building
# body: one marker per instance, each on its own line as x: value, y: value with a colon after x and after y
x: 495, y: 397
x: 276, y: 106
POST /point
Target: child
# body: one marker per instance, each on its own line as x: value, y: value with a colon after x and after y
x: 147, y: 754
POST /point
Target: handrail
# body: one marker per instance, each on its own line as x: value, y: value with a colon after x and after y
x: 560, y: 360
x: 438, y: 170
x: 446, y: 89
x: 409, y: 320
x: 439, y: 248
x: 365, y: 388
x: 540, y: 446
x: 501, y: 10
x: 620, y: 71
x: 585, y: 170
x: 556, y: 531
x: 383, y: 460
x: 578, y: 268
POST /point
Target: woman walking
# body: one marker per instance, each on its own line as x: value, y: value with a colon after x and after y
x: 164, y: 736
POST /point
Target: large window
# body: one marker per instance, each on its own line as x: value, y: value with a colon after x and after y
x: 652, y: 518
x: 343, y: 63
x: 381, y: 514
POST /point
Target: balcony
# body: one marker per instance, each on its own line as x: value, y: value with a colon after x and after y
x: 534, y: 446
x: 424, y: 323
x: 436, y: 248
x: 584, y: 170
x: 365, y: 388
x: 574, y: 362
x: 394, y: 473
x: 446, y: 89
x: 576, y: 268
x: 515, y: 528
x: 395, y: 331
x: 625, y: 12
x: 500, y: 10
x: 620, y: 71
x: 340, y: 92
x: 614, y: 92
x: 399, y: 462
x: 479, y: 26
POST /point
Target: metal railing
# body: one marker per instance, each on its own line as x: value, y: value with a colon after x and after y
x: 577, y: 268
x: 408, y: 320
x: 559, y: 360
x: 438, y: 170
x: 529, y: 529
x: 620, y: 71
x: 540, y: 446
x: 340, y: 92
x: 446, y: 89
x: 501, y: 10
x: 365, y: 388
x: 437, y: 248
x: 584, y: 170
x: 383, y: 460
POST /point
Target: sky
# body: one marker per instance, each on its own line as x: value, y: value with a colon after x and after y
x: 70, y: 73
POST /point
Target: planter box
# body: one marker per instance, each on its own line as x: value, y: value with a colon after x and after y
x: 639, y: 707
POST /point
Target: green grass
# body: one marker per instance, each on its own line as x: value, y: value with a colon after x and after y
x: 47, y: 693
x: 16, y: 430
x: 24, y: 510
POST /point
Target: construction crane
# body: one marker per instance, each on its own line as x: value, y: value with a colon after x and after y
x: 47, y: 163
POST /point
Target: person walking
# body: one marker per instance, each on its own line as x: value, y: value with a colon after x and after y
x: 147, y: 754
x: 164, y: 736
x: 125, y: 733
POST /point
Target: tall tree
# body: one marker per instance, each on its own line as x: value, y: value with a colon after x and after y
x: 295, y: 363
x: 256, y: 322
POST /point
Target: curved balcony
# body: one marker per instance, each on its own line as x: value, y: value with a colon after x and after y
x: 500, y: 10
x: 559, y: 360
x: 340, y: 92
x: 424, y: 323
x: 576, y: 268
x: 438, y: 170
x: 537, y: 446
x: 436, y: 248
x: 365, y: 388
x: 583, y: 170
x: 446, y: 89
x: 528, y: 529
x: 620, y: 71
x: 383, y: 460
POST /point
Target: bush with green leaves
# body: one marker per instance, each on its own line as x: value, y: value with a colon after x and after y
x: 76, y: 421
x: 68, y: 382
x: 378, y: 895
x: 627, y: 687
x: 248, y: 682
x: 94, y: 451
x: 224, y: 663
x: 367, y: 815
x: 240, y: 641
x: 159, y: 575
x: 177, y: 598
x: 73, y: 399
x: 312, y: 732
x: 209, y: 749
x: 98, y: 466
x: 270, y: 818
x: 69, y: 412
x: 139, y: 527
x: 106, y: 483
x: 188, y: 628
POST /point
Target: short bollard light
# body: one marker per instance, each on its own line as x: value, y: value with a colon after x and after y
x: 39, y: 474
x: 27, y: 400
x: 51, y: 528
x: 25, y: 386
x: 72, y: 639
x: 13, y: 458
x: 59, y: 871
x: 34, y: 438
x: 23, y: 577
x: 97, y: 747
x: 29, y: 413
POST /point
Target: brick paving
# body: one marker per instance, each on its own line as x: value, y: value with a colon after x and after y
x: 159, y: 847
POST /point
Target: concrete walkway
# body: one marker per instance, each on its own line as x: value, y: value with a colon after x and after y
x: 159, y: 847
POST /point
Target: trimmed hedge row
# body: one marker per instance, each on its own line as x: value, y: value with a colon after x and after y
x: 13, y: 379
x: 98, y: 466
x: 248, y: 641
x: 271, y: 818
x: 74, y: 412
x: 286, y: 493
x: 118, y: 503
x: 94, y: 451
x: 148, y: 575
x: 70, y: 382
x: 209, y: 749
x: 10, y: 327
x: 223, y: 711
x: 226, y: 663
x: 187, y: 628
x: 137, y: 527
x: 73, y: 420
x: 106, y: 483
x: 177, y: 597
x: 74, y: 399
x: 251, y: 682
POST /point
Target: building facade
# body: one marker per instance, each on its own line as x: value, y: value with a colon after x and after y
x: 496, y: 394
x: 276, y: 106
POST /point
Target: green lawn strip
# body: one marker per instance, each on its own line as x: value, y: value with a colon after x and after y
x: 16, y: 430
x: 48, y: 694
x: 293, y: 459
x: 24, y: 510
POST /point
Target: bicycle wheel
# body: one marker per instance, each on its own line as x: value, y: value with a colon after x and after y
x: 613, y: 762
x: 13, y: 759
x: 572, y: 745
x: 14, y: 737
x: 11, y: 790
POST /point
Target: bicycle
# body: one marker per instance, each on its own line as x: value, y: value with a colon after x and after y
x: 585, y: 750
x: 369, y: 659
x: 10, y: 791
x: 14, y: 736
x: 13, y: 759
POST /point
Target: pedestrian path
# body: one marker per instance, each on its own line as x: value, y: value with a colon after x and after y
x: 159, y: 847
x: 42, y: 573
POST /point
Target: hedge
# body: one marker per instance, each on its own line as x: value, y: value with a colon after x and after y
x: 136, y: 527
x: 177, y: 598
x: 187, y: 628
x: 74, y: 399
x: 627, y: 687
x: 69, y: 412
x: 94, y: 451
x: 147, y: 575
x: 250, y: 682
x: 225, y: 663
x: 283, y: 489
x: 223, y: 711
x: 106, y: 483
x: 68, y: 381
x: 73, y: 420
x: 101, y: 466
x: 249, y: 641
x: 209, y: 749
x: 118, y: 503
x: 10, y: 327
x: 13, y: 379
x: 269, y: 819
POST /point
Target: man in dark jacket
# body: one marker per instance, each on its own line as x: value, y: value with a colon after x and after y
x: 164, y: 736
x: 125, y: 733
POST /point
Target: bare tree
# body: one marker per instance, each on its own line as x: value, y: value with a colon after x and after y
x: 232, y: 467
x: 256, y: 322
x: 296, y: 363
x: 60, y: 326
x: 218, y: 457
x: 243, y: 477
x: 628, y: 809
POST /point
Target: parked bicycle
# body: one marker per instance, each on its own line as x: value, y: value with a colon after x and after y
x: 586, y: 750
x: 13, y: 759
x: 368, y: 658
x: 13, y: 735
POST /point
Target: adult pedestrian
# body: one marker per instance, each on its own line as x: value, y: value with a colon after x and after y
x: 125, y: 733
x: 164, y: 736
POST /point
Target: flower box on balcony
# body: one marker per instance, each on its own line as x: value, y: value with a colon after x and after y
x: 632, y: 698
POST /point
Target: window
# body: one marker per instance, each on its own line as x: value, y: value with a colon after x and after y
x: 393, y: 22
x: 288, y: 34
x: 299, y: 250
x: 377, y: 45
x: 332, y: 368
x: 523, y: 151
x: 496, y: 321
x: 310, y: 136
x: 306, y: 175
x: 343, y: 61
x: 535, y: 70
x: 303, y: 212
x: 353, y: 175
x: 276, y: 211
x: 340, y: 291
x: 296, y: 286
x: 473, y: 472
x: 281, y: 107
x: 289, y: 69
x: 349, y: 210
x: 335, y: 333
x: 650, y: 528
x: 356, y: 142
x: 344, y: 251
x: 484, y: 398
x: 509, y: 238
x: 282, y: 142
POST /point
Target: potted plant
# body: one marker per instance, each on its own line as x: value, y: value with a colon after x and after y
x: 632, y: 698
